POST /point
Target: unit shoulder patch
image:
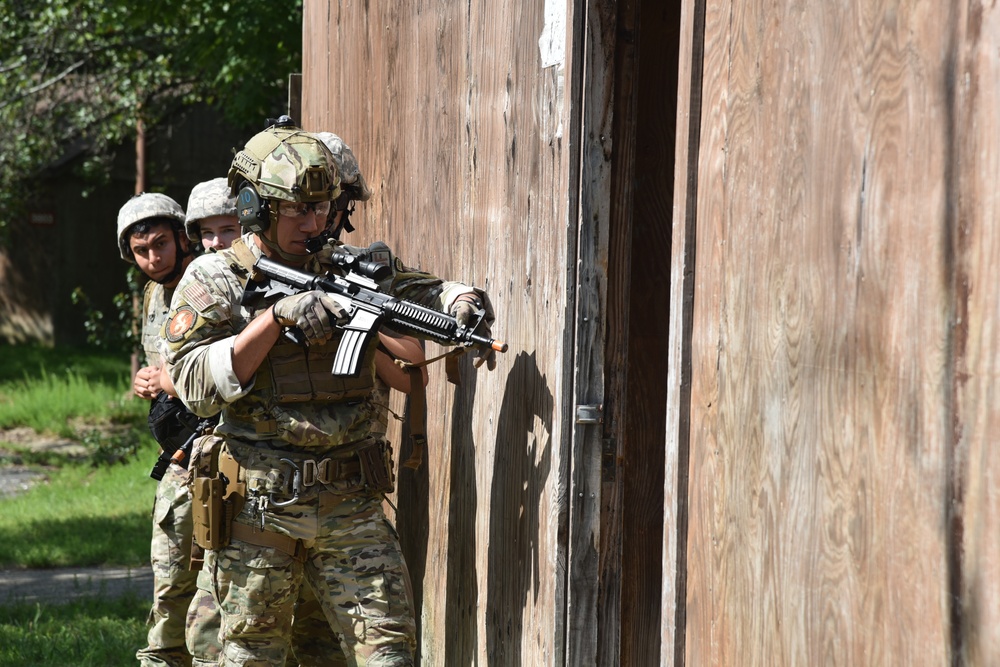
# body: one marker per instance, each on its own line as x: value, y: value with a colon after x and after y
x: 181, y: 322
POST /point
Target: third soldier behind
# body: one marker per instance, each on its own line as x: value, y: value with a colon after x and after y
x: 150, y: 236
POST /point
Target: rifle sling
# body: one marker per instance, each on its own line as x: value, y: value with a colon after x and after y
x: 418, y: 410
x: 418, y: 400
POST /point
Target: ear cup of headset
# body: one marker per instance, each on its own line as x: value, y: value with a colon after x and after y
x: 252, y: 211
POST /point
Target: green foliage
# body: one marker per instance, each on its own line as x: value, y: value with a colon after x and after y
x: 90, y: 632
x: 78, y: 74
x: 120, y: 334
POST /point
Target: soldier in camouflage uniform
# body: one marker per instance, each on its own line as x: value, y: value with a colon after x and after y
x: 211, y: 215
x: 149, y: 235
x: 212, y: 222
x: 283, y: 412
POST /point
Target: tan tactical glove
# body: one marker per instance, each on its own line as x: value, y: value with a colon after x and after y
x: 464, y: 310
x: 314, y: 313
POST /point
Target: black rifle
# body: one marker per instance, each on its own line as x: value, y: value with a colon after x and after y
x: 181, y: 454
x: 369, y: 309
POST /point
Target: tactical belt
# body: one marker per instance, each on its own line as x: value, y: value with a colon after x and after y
x: 266, y: 538
x: 286, y: 473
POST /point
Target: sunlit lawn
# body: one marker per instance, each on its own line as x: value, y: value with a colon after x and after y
x: 80, y: 512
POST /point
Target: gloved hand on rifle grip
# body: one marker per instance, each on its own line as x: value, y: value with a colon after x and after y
x: 314, y: 313
x: 464, y: 309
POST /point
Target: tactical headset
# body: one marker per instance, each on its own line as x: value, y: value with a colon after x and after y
x: 254, y: 213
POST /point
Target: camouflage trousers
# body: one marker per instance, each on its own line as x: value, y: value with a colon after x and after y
x: 173, y: 580
x: 314, y: 642
x: 204, y: 622
x: 350, y: 558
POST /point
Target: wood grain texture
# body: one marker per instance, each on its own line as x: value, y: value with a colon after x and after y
x: 975, y: 241
x: 842, y: 222
x: 683, y: 264
x: 460, y: 132
x: 595, y: 37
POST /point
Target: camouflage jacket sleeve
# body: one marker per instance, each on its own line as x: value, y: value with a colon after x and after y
x: 419, y: 286
x: 197, y: 339
x: 155, y: 304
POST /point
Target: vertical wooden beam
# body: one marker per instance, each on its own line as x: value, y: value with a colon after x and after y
x: 682, y: 282
x: 973, y: 239
x: 595, y: 37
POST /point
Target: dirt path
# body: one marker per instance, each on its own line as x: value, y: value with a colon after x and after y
x: 63, y: 585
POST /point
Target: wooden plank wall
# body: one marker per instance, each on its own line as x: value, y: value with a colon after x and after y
x: 844, y: 335
x: 458, y: 116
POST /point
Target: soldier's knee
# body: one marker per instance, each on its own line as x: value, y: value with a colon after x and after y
x: 253, y: 654
x: 391, y: 655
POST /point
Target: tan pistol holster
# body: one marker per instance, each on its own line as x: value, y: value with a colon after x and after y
x: 217, y: 491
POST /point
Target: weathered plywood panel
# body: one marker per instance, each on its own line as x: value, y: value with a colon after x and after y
x: 842, y: 233
x: 458, y: 115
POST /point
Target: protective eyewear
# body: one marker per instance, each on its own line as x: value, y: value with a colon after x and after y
x: 294, y: 209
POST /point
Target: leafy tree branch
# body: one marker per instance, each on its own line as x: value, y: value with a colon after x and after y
x: 76, y: 73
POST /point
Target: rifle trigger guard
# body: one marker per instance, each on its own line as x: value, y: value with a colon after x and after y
x: 296, y: 486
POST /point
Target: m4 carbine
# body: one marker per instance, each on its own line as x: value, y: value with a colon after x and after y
x: 368, y: 309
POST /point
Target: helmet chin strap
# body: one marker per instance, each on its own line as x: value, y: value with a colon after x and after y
x: 345, y: 222
x: 316, y: 243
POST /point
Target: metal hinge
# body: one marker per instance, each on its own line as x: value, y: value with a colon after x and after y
x: 589, y: 414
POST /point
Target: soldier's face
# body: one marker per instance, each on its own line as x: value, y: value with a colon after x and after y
x: 294, y: 230
x: 219, y: 231
x: 155, y: 251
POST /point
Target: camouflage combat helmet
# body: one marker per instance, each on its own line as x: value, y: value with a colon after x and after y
x: 287, y: 163
x: 208, y: 199
x: 351, y: 180
x: 143, y: 207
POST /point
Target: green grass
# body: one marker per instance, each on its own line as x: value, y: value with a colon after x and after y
x: 83, y: 512
x: 18, y: 360
x: 90, y: 632
x: 83, y: 515
x: 47, y: 388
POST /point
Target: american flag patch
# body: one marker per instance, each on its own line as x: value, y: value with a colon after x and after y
x: 198, y: 296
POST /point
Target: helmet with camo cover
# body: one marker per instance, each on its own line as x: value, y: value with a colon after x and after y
x: 141, y: 207
x: 287, y: 163
x: 352, y: 182
x: 208, y: 199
